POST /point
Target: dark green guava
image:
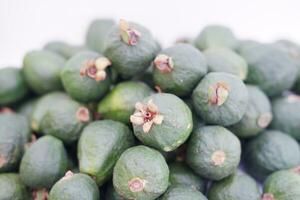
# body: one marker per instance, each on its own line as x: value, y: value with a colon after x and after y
x: 182, y: 192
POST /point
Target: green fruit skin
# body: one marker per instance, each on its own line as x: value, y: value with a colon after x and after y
x: 258, y: 106
x: 144, y: 163
x: 181, y: 174
x: 100, y: 146
x: 83, y: 88
x: 270, y: 151
x: 119, y: 104
x: 61, y: 121
x: 216, y: 36
x: 111, y: 193
x: 270, y: 68
x: 207, y: 140
x: 64, y: 49
x: 286, y: 111
x: 235, y: 187
x: 232, y: 110
x: 176, y: 127
x: 44, y: 163
x: 41, y: 71
x: 77, y: 187
x: 13, y: 86
x: 283, y: 185
x: 182, y: 192
x: 42, y: 106
x: 225, y: 60
x: 96, y: 34
x: 130, y: 61
x: 189, y: 67
x: 12, y: 188
x: 26, y: 108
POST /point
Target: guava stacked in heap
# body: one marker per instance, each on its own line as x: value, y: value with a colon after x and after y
x: 123, y: 118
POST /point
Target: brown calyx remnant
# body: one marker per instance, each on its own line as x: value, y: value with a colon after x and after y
x: 268, y: 196
x: 164, y: 63
x: 128, y: 35
x: 136, y: 184
x: 218, y: 93
x: 34, y: 125
x: 95, y: 69
x: 146, y: 115
x: 6, y: 110
x: 158, y: 89
x: 297, y: 170
x: 218, y: 157
x: 2, y: 160
x: 83, y: 114
x: 41, y: 194
x: 264, y: 120
x: 33, y: 140
x: 68, y: 175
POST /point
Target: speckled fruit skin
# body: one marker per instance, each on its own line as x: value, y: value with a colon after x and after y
x: 270, y: 151
x: 175, y: 128
x: 286, y: 111
x: 64, y: 49
x: 265, y: 62
x: 232, y: 110
x: 44, y: 163
x: 216, y: 36
x: 221, y: 59
x: 182, y: 192
x: 283, y: 185
x: 238, y: 186
x: 119, y: 103
x: 83, y: 88
x: 62, y: 122
x: 41, y: 71
x: 128, y: 60
x: 43, y: 104
x: 77, y: 187
x: 111, y: 193
x: 258, y: 114
x: 13, y: 86
x: 144, y: 163
x: 189, y: 67
x: 14, y: 133
x: 293, y: 51
x: 96, y: 34
x: 100, y: 146
x: 204, y: 142
x: 181, y: 174
x: 12, y: 188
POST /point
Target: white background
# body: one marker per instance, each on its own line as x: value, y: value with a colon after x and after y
x: 29, y: 24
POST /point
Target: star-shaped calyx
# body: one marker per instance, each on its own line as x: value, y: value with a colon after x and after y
x: 164, y: 63
x: 128, y: 35
x: 218, y: 93
x: 146, y: 115
x: 95, y: 68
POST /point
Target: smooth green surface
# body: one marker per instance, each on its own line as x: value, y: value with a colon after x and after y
x: 129, y: 60
x: 100, y: 146
x: 41, y: 71
x: 283, y: 185
x: 27, y: 107
x: 12, y: 188
x: 76, y: 187
x: 182, y: 192
x: 258, y: 114
x: 13, y: 86
x: 215, y: 36
x: 234, y: 107
x: 189, y: 67
x: 64, y: 49
x: 111, y: 193
x: 207, y: 140
x: 238, y: 186
x: 286, y: 111
x: 120, y: 101
x: 175, y: 127
x: 43, y: 163
x: 83, y: 88
x: 270, y: 151
x: 144, y: 163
